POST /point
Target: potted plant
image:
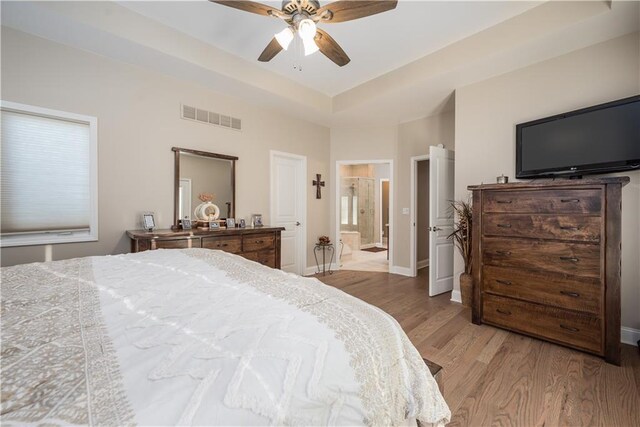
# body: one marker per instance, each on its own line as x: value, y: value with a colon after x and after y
x: 461, y: 236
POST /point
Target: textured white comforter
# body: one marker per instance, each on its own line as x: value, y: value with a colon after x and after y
x: 200, y: 337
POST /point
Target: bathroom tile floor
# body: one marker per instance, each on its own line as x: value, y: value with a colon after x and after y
x: 366, y: 261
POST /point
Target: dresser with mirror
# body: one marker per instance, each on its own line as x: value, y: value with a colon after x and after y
x: 204, y: 192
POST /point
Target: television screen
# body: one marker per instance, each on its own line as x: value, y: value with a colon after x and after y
x: 599, y: 139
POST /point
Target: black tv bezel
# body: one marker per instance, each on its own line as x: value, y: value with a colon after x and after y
x: 572, y: 171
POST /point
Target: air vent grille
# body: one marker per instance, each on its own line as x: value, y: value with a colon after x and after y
x: 204, y: 116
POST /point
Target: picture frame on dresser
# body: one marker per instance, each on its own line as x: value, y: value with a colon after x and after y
x: 231, y: 222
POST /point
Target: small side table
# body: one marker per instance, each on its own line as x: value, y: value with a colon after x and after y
x: 324, y: 248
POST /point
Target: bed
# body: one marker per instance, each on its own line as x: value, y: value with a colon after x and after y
x: 201, y: 337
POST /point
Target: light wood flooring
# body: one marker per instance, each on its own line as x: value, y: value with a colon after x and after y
x: 495, y: 377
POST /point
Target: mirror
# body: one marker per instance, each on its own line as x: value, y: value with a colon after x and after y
x: 200, y: 172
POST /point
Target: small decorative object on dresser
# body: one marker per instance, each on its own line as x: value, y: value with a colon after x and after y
x: 148, y: 221
x: 214, y: 225
x: 502, y: 179
x: 546, y: 260
x: 186, y: 223
x: 242, y: 223
x: 231, y: 223
x: 462, y: 240
x: 256, y: 220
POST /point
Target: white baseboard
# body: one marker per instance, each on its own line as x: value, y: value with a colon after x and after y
x: 422, y: 264
x: 456, y: 297
x: 403, y: 271
x: 629, y: 335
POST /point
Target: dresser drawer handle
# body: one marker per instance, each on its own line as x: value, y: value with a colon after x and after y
x: 505, y: 202
x: 564, y: 227
x: 570, y: 200
x: 507, y: 253
x: 259, y: 242
x: 222, y: 245
x: 503, y: 282
x: 570, y: 294
x: 569, y: 328
x: 506, y: 312
x: 569, y: 258
x: 504, y: 225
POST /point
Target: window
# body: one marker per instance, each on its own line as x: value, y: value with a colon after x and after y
x: 48, y: 180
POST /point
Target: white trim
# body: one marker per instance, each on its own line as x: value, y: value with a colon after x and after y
x: 46, y: 238
x: 413, y: 235
x: 381, y: 180
x: 391, y: 203
x: 403, y: 271
x: 423, y: 263
x: 629, y: 336
x: 456, y: 296
x: 302, y: 254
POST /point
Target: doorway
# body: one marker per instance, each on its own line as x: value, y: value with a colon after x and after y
x: 364, y: 214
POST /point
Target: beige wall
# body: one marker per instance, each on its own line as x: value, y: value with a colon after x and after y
x: 138, y: 123
x: 487, y: 112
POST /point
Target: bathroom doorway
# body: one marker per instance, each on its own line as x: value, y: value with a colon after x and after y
x: 363, y: 205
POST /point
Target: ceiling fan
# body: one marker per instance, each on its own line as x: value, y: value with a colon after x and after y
x: 302, y: 16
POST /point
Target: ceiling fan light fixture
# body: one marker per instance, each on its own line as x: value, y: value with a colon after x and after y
x: 307, y: 29
x: 285, y: 37
x: 310, y: 46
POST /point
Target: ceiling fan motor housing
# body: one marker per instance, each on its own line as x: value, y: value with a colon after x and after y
x: 308, y: 6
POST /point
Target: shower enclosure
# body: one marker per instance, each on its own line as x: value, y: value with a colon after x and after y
x: 357, y: 209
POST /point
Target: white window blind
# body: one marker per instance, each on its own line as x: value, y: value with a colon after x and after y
x: 48, y: 177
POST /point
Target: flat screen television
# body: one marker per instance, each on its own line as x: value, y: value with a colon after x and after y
x: 600, y: 139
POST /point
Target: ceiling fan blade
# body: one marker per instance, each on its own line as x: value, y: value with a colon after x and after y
x: 272, y: 49
x: 330, y: 48
x: 347, y: 10
x: 249, y: 6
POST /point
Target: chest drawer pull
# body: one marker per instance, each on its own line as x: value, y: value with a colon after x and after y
x: 259, y: 242
x: 503, y: 282
x: 507, y: 253
x: 222, y: 245
x: 506, y: 312
x: 504, y: 202
x: 504, y: 225
x: 569, y: 258
x: 570, y: 294
x: 569, y: 328
x: 565, y: 227
x: 570, y: 200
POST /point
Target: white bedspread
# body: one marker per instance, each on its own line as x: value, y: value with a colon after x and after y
x: 202, y: 337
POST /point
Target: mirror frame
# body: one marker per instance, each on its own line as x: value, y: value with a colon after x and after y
x: 176, y: 179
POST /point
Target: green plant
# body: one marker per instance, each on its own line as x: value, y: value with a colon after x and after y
x: 461, y: 234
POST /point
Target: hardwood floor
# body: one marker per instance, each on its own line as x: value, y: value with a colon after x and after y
x: 495, y: 377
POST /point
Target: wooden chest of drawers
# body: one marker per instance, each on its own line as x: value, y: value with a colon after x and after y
x: 546, y: 261
x: 260, y: 244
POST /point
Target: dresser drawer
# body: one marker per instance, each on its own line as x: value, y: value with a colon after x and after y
x: 264, y: 257
x: 587, y: 201
x: 175, y: 243
x: 231, y: 244
x: 256, y: 242
x: 558, y: 290
x: 579, y: 228
x: 578, y: 259
x: 567, y: 327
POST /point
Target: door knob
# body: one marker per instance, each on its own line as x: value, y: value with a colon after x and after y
x: 298, y: 223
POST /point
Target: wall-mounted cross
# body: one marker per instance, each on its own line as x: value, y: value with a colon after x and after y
x: 318, y: 184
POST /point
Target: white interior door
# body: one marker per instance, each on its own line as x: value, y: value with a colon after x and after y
x: 441, y: 193
x: 288, y: 208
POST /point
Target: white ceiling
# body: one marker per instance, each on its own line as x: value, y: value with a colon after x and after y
x: 376, y: 44
x: 425, y: 50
